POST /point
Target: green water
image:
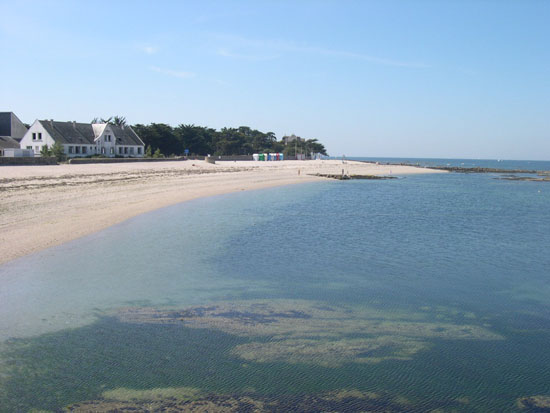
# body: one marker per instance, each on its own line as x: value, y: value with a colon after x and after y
x: 428, y: 291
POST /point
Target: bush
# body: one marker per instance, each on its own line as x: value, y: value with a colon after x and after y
x: 58, y: 152
x: 45, y: 151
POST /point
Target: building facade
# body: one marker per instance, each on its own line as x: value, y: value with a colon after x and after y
x: 84, y: 139
x: 12, y: 131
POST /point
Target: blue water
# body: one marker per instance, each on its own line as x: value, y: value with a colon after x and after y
x: 452, y: 251
x: 465, y: 163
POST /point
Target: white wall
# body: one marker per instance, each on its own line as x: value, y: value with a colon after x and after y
x: 36, y: 145
x: 120, y: 151
x: 90, y: 150
x: 103, y: 142
x: 17, y: 153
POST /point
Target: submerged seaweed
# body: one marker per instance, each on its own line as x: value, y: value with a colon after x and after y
x: 349, y: 400
x: 260, y: 348
x: 534, y: 404
x: 302, y: 331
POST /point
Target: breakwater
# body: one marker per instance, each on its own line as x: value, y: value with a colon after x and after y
x: 345, y: 177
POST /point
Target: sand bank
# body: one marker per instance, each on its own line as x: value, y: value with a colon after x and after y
x: 44, y: 206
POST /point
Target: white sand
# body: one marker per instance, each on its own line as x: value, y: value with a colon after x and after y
x: 43, y: 206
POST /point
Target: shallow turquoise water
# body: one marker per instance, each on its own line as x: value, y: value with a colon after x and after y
x: 449, y: 250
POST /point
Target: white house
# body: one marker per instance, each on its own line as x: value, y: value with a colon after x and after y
x: 84, y: 139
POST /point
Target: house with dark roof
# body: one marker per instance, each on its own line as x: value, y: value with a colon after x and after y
x: 84, y: 139
x: 12, y: 131
x: 291, y: 138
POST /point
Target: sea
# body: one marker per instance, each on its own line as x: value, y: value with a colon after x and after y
x: 429, y: 292
x: 461, y: 163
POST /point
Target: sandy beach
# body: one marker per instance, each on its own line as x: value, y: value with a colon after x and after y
x: 44, y: 206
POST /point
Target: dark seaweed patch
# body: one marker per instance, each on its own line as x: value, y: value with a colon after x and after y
x: 247, y: 317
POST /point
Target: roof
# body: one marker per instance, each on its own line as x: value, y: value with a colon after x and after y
x: 86, y: 133
x: 126, y: 136
x: 8, y: 142
x: 291, y: 138
x: 69, y: 132
x: 11, y: 126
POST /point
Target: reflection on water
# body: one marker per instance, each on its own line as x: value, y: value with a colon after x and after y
x: 410, y: 295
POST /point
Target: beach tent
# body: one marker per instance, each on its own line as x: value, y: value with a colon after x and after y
x: 255, y: 157
x: 261, y: 157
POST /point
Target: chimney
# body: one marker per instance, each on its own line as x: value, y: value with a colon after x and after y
x: 74, y: 124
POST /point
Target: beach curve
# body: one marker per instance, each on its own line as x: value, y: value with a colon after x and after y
x: 45, y: 206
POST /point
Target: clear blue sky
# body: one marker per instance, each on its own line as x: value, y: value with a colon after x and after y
x: 367, y: 78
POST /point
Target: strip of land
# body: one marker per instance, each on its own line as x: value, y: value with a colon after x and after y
x: 44, y: 206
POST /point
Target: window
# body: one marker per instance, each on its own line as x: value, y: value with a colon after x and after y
x: 77, y: 149
x: 131, y: 151
x: 139, y: 151
x: 39, y: 136
x: 34, y: 136
x: 29, y: 147
x: 120, y: 150
x: 112, y: 151
x: 84, y: 149
x: 71, y: 149
x: 126, y: 150
x: 103, y: 151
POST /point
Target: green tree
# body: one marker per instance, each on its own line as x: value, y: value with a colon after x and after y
x: 158, y: 154
x: 197, y: 139
x: 159, y: 136
x: 200, y: 140
x: 118, y: 120
x: 102, y: 120
x: 313, y: 145
x: 113, y: 120
x: 45, y: 151
x: 148, y: 152
x: 58, y: 152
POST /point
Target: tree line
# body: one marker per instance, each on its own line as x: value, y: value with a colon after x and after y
x: 164, y: 140
x: 200, y: 140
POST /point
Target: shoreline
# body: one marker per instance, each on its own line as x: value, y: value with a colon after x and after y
x: 46, y: 206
